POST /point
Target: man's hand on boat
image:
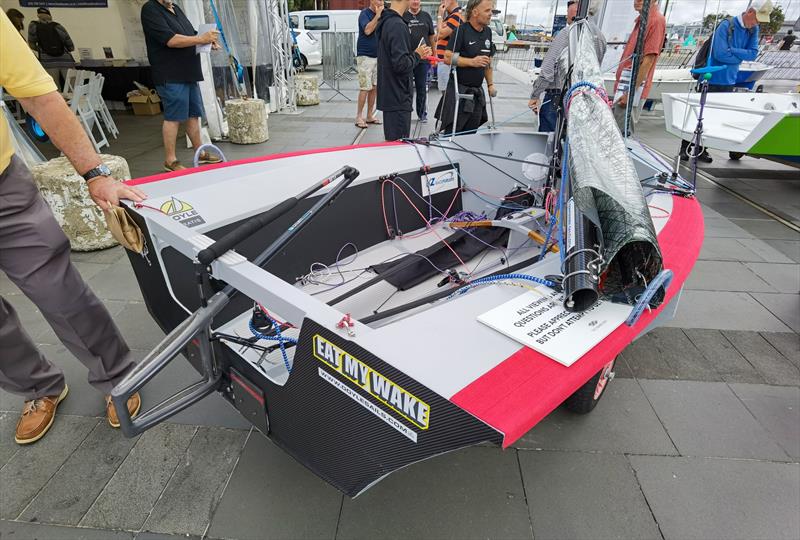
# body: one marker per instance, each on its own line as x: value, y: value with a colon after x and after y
x: 106, y: 191
x: 534, y: 105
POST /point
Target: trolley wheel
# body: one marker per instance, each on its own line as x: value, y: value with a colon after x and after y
x: 586, y: 397
x: 736, y: 156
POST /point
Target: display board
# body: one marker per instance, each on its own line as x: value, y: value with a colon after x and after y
x: 63, y: 3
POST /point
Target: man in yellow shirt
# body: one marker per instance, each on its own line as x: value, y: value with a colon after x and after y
x: 34, y: 254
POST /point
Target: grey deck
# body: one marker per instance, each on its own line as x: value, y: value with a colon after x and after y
x: 698, y: 438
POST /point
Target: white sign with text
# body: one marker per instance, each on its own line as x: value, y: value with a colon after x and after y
x: 538, y: 320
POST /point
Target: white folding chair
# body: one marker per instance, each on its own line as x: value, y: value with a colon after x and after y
x: 98, y: 104
x: 82, y: 107
x: 74, y: 77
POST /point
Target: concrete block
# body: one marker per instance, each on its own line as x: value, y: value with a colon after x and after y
x: 307, y: 88
x: 247, y: 121
x: 68, y: 196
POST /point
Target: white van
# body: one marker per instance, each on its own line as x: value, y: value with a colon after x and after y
x: 330, y: 20
x: 498, y: 34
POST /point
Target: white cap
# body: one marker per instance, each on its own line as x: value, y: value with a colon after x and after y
x: 763, y: 12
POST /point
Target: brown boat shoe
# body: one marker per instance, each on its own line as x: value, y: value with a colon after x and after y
x: 37, y: 417
x: 134, y: 404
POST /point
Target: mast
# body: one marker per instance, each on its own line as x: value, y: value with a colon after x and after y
x: 637, y: 61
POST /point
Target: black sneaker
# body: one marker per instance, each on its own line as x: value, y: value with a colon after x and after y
x: 705, y: 157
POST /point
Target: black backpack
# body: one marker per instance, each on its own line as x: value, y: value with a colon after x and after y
x: 701, y: 60
x: 49, y: 42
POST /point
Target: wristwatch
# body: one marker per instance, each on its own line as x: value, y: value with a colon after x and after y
x: 100, y: 170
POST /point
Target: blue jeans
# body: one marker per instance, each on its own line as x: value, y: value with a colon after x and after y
x: 181, y: 101
x: 548, y: 112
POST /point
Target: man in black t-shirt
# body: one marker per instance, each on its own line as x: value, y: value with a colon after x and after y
x: 469, y: 50
x: 175, y: 64
x: 420, y: 24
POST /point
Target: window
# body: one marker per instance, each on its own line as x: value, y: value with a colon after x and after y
x: 294, y: 21
x: 316, y: 22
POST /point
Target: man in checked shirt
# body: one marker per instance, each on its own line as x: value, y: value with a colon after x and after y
x: 550, y: 80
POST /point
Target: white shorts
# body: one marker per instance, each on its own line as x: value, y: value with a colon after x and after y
x: 367, y: 72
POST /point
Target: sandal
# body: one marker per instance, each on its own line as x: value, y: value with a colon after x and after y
x: 361, y: 124
x: 173, y: 166
x: 375, y: 121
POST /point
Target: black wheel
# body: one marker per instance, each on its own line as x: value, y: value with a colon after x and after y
x: 736, y: 156
x: 305, y: 61
x: 586, y: 397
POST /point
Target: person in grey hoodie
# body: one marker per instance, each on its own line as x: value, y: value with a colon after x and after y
x: 396, y: 62
x: 52, y: 43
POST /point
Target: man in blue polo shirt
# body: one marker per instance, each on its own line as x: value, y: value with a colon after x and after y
x: 171, y: 41
x: 367, y: 62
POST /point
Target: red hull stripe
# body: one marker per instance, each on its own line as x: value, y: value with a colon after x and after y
x: 270, y: 157
x: 519, y: 392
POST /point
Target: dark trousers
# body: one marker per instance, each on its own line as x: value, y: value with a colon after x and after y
x: 34, y: 254
x: 396, y: 125
x: 420, y: 86
x: 548, y: 111
x: 712, y: 88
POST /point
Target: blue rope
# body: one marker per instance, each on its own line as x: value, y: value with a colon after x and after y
x: 502, y: 277
x: 280, y: 338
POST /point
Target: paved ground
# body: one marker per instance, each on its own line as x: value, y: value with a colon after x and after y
x: 699, y: 437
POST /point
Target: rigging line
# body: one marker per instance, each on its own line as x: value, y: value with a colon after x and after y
x: 495, y: 167
x: 444, y: 216
x: 476, y: 153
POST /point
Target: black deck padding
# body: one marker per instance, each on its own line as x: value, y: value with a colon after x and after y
x: 420, y: 267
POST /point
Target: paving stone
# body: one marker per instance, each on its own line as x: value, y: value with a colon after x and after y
x: 159, y: 536
x: 788, y: 344
x: 784, y: 278
x: 88, y: 270
x: 725, y: 276
x: 737, y: 209
x: 666, y: 353
x: 17, y: 530
x: 622, y: 422
x: 8, y: 423
x: 725, y: 311
x: 724, y: 228
x: 32, y: 466
x: 727, y: 249
x: 727, y: 361
x: 471, y: 493
x: 265, y: 488
x: 568, y: 497
x: 773, y: 366
x: 129, y: 496
x: 622, y: 370
x: 767, y: 229
x: 193, y: 492
x: 720, y: 498
x: 117, y: 282
x: 790, y: 248
x: 31, y: 319
x: 777, y: 409
x: 72, y: 490
x: 764, y: 250
x: 139, y: 329
x: 785, y: 307
x: 707, y: 419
